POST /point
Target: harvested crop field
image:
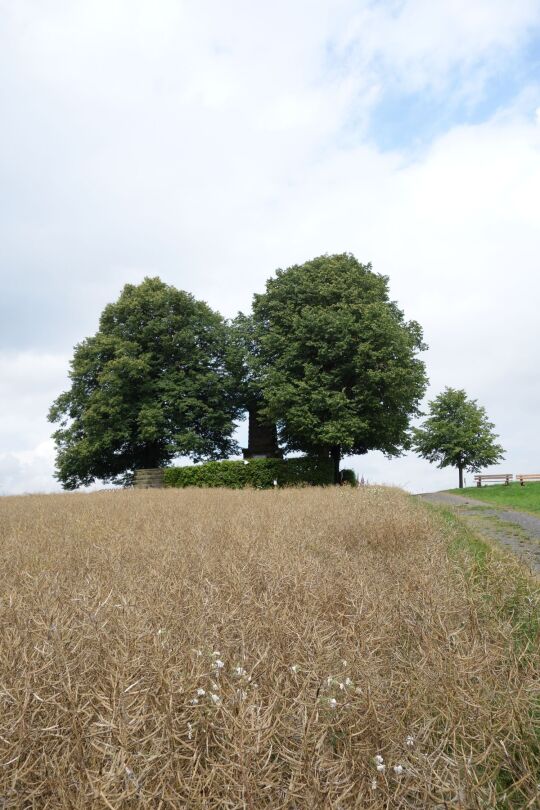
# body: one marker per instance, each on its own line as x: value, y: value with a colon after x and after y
x: 330, y: 648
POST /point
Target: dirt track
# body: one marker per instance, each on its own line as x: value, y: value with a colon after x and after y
x: 517, y: 531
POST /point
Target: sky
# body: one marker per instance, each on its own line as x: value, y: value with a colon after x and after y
x: 211, y: 143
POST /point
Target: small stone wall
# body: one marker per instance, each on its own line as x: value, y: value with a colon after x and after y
x: 148, y: 479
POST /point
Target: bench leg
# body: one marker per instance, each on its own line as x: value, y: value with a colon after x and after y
x: 478, y: 483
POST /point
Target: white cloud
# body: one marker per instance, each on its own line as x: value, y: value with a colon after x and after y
x: 211, y: 143
x: 29, y: 381
x: 421, y: 43
x: 28, y: 471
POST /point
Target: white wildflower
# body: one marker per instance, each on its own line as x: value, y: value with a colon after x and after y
x: 348, y: 682
x: 194, y: 701
x: 342, y: 686
x: 218, y: 664
x: 240, y: 694
x: 374, y: 784
x: 409, y: 742
x: 216, y: 653
x: 215, y: 698
x: 255, y: 685
x: 190, y: 731
x: 332, y: 702
x: 398, y: 769
x: 131, y: 776
x: 343, y: 663
x: 214, y: 685
x: 295, y: 668
x: 378, y: 759
x: 201, y: 692
x: 239, y: 671
x: 381, y: 768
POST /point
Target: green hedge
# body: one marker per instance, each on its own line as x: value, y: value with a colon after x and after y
x: 349, y: 477
x: 258, y: 472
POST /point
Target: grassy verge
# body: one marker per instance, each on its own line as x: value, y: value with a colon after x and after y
x: 506, y: 595
x: 514, y: 496
x: 500, y: 581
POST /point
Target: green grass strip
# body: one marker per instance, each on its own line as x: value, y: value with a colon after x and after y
x: 513, y: 496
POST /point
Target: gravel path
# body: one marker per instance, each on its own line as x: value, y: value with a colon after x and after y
x: 517, y: 531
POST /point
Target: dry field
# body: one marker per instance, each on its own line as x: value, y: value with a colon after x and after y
x: 291, y: 649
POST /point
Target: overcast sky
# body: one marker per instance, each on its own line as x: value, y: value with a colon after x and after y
x: 210, y: 143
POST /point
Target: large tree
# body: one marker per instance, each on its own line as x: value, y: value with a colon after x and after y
x: 336, y: 360
x: 151, y: 384
x: 457, y: 433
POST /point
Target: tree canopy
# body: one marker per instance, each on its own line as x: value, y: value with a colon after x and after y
x: 457, y: 433
x: 336, y: 360
x: 242, y: 351
x: 151, y: 384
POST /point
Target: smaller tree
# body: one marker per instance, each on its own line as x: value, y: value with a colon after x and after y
x: 457, y: 433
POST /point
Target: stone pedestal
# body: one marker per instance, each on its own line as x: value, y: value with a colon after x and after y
x: 262, y: 438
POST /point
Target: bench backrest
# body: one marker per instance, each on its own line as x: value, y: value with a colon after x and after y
x: 487, y: 477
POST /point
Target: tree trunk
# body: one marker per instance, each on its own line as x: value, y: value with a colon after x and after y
x: 335, y: 455
x: 460, y: 477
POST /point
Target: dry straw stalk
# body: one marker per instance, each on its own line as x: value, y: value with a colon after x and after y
x: 289, y: 649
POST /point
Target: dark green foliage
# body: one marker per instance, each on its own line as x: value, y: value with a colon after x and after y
x: 242, y: 353
x: 457, y: 433
x: 151, y: 384
x: 336, y: 360
x: 243, y: 363
x: 258, y: 472
x: 349, y: 477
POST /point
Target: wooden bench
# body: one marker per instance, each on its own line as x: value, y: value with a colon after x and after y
x: 505, y: 477
x: 528, y: 477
